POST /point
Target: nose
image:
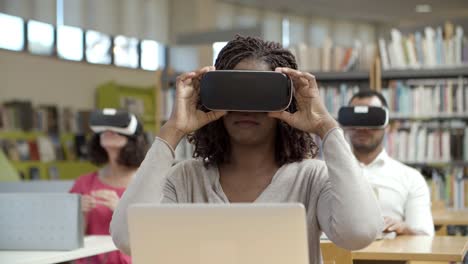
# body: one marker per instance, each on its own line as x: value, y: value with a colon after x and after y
x: 240, y: 113
x: 109, y: 132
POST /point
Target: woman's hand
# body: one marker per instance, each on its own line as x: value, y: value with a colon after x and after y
x: 311, y: 115
x: 108, y: 198
x: 185, y: 117
x: 87, y: 203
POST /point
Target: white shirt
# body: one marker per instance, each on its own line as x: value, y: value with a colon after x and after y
x: 402, y: 192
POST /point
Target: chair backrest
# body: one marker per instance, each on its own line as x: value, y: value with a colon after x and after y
x: 332, y: 254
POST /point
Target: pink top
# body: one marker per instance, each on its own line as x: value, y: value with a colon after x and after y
x: 98, y: 219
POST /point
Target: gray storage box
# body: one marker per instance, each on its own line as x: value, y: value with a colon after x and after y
x: 42, y: 186
x: 40, y: 221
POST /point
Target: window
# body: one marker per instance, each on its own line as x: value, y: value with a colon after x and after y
x: 152, y: 55
x: 40, y: 38
x: 217, y: 47
x: 70, y: 43
x: 126, y: 52
x: 98, y: 47
x: 285, y: 37
x: 11, y: 32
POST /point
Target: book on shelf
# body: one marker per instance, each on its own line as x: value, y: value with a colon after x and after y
x: 10, y: 149
x: 33, y: 150
x: 53, y: 173
x: 34, y: 173
x: 17, y: 114
x: 50, y: 118
x: 443, y: 46
x: 82, y: 121
x: 81, y: 149
x: 67, y: 123
x: 46, y: 149
x: 23, y: 149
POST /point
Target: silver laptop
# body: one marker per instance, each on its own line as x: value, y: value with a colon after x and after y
x: 218, y: 233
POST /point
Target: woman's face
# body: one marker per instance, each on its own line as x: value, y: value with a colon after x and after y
x: 250, y: 128
x: 112, y: 140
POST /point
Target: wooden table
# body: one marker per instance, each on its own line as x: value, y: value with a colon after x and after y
x: 415, y: 248
x: 93, y: 245
x: 443, y: 218
x: 450, y: 217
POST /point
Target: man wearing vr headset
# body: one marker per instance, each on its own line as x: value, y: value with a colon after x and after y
x: 119, y: 146
x: 401, y: 190
x: 258, y: 156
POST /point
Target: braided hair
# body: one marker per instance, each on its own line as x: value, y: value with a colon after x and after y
x: 212, y: 142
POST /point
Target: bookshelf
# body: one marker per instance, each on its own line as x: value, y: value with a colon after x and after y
x: 139, y: 100
x: 437, y: 124
x: 66, y: 167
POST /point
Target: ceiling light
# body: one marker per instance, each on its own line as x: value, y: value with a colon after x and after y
x: 423, y: 9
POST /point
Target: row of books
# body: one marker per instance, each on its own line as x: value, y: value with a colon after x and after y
x: 50, y: 148
x: 428, y: 142
x: 18, y: 115
x: 335, y: 97
x: 45, y: 148
x: 428, y: 98
x: 330, y: 57
x: 449, y: 185
x: 34, y: 173
x: 439, y: 47
x: 409, y: 99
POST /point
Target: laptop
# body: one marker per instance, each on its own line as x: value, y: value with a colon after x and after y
x: 218, y: 233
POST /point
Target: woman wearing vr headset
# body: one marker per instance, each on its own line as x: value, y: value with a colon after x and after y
x: 258, y: 157
x: 120, y: 151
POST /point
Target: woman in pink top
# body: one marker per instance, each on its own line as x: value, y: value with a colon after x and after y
x: 100, y: 191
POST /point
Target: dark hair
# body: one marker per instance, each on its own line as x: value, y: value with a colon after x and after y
x: 212, y: 141
x: 369, y: 93
x: 131, y: 155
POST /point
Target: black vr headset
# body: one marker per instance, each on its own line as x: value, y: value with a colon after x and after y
x: 118, y: 121
x: 363, y: 116
x: 250, y: 91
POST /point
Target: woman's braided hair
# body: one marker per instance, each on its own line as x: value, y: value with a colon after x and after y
x: 212, y: 141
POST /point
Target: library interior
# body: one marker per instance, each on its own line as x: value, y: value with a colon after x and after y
x: 233, y: 131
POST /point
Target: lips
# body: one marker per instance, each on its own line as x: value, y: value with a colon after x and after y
x: 246, y: 123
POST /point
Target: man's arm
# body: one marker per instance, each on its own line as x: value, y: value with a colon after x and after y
x: 418, y: 215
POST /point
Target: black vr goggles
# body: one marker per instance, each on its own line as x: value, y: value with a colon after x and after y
x: 250, y: 91
x: 363, y: 116
x: 118, y: 121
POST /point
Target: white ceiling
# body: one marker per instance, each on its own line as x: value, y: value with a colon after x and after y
x: 388, y: 12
